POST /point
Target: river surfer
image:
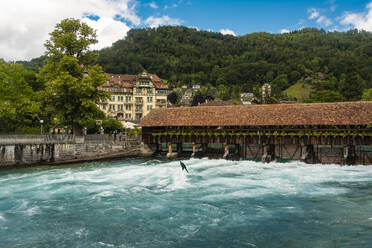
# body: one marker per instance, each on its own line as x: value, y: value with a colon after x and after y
x: 183, y: 166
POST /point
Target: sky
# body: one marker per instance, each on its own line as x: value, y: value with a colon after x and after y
x: 25, y: 24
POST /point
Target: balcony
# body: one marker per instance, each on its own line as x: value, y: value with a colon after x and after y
x: 161, y: 103
x: 139, y: 110
x: 139, y: 101
x: 161, y: 92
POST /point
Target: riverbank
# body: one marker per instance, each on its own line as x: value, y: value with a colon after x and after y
x: 19, y: 151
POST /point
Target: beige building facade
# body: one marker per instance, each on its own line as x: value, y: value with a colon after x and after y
x: 133, y: 96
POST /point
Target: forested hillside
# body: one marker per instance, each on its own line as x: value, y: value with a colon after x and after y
x: 336, y: 63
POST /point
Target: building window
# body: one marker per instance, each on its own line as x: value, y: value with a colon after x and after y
x: 149, y: 107
x: 128, y: 107
x: 112, y: 107
x: 138, y: 90
x: 139, y: 100
x: 104, y: 106
x: 144, y: 83
x: 120, y: 107
x: 113, y: 98
x: 128, y: 99
x: 138, y: 108
x: 149, y: 99
x: 128, y: 116
x: 149, y: 91
x: 120, y: 98
x: 161, y: 91
x: 161, y: 101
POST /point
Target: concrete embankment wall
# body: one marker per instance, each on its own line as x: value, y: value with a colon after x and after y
x: 21, y: 150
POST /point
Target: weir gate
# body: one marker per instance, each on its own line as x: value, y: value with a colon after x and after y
x: 326, y: 133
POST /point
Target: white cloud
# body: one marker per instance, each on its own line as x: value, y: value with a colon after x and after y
x: 284, y: 31
x: 362, y: 21
x: 320, y: 19
x: 161, y: 21
x: 227, y: 31
x: 153, y: 5
x: 313, y: 13
x: 25, y: 24
x: 108, y: 31
x: 323, y: 20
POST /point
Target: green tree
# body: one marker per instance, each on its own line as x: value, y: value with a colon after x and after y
x: 367, y: 95
x: 326, y: 96
x: 72, y: 37
x: 19, y: 108
x: 172, y: 97
x: 112, y: 125
x: 352, y: 86
x: 71, y: 89
x: 279, y: 84
x: 223, y: 92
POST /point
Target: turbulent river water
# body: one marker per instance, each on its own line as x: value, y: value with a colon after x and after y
x: 153, y: 203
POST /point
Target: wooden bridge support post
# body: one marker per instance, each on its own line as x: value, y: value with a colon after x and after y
x: 193, y: 149
x: 349, y: 155
x: 179, y: 148
x: 226, y: 153
x: 170, y: 147
x: 170, y: 153
x: 268, y: 153
x: 307, y: 154
x: 205, y: 147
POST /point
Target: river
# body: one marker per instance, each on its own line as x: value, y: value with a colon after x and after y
x: 153, y: 203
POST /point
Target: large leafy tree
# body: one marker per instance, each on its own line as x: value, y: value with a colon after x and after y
x: 19, y: 108
x: 352, y: 86
x: 71, y: 88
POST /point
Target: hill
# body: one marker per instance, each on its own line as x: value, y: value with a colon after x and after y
x: 188, y: 55
x: 185, y: 56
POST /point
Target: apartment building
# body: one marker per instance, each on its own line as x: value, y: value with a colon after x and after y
x: 133, y: 96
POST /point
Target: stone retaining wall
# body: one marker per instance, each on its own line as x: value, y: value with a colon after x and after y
x: 34, y: 150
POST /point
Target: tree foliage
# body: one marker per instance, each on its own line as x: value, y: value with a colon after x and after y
x: 112, y: 125
x: 73, y: 38
x: 367, y: 95
x: 19, y: 108
x: 71, y: 89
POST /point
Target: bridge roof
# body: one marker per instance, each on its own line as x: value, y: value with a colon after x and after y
x: 341, y: 113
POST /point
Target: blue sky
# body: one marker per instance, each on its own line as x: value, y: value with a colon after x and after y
x: 22, y: 36
x: 247, y: 16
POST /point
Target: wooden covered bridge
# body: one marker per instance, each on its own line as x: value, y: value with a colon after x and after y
x: 315, y: 133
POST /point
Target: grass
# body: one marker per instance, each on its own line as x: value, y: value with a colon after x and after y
x: 300, y: 91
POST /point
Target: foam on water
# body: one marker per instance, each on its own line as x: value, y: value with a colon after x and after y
x: 153, y: 203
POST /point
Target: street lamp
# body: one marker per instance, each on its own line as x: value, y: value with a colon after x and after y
x: 41, y: 126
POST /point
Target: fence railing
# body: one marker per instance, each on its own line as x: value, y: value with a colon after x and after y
x: 68, y: 138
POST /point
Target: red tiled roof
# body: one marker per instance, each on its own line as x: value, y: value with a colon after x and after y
x: 342, y: 113
x: 217, y: 102
x: 126, y: 80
